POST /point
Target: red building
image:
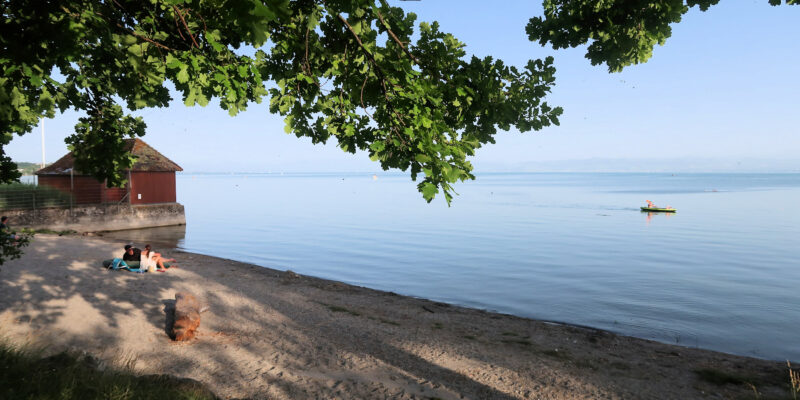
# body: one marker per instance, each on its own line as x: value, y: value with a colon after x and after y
x: 150, y: 180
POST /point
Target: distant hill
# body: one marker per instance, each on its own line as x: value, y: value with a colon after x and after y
x: 28, y: 168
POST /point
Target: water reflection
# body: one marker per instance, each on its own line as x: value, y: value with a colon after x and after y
x: 160, y: 237
x: 651, y: 213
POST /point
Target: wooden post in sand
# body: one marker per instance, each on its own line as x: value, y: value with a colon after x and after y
x: 187, y: 316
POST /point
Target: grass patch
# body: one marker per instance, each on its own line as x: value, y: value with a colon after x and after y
x: 619, y: 365
x: 794, y: 380
x: 64, y: 376
x: 718, y: 377
x: 522, y: 342
x: 555, y: 353
x: 385, y: 321
x: 586, y: 364
x: 342, y: 310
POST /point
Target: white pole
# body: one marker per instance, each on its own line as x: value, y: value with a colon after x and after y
x: 43, y: 162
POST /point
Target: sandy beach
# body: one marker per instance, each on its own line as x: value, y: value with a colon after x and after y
x: 278, y: 335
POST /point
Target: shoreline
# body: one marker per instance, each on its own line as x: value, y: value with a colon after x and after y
x: 279, y: 335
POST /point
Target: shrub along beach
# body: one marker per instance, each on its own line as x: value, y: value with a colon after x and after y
x: 279, y: 335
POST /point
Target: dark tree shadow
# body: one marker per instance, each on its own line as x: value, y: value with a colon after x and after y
x: 169, y: 316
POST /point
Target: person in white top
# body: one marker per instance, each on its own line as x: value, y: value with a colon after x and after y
x: 152, y: 261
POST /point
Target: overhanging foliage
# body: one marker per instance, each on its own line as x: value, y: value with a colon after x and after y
x: 621, y: 32
x: 345, y: 70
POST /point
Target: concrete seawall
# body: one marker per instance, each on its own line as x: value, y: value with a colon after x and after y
x: 92, y: 218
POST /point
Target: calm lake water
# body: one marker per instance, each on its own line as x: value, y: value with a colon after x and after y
x: 722, y: 273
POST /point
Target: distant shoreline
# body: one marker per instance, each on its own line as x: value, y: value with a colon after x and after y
x: 490, y: 172
x: 478, y: 172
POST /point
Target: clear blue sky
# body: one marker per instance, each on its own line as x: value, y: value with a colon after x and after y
x: 724, y: 87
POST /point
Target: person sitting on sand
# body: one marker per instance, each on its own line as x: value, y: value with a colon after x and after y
x: 7, y: 229
x: 149, y: 248
x: 153, y: 260
x: 131, y: 253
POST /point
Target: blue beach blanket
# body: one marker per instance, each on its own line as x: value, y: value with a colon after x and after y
x: 118, y: 264
x: 133, y: 266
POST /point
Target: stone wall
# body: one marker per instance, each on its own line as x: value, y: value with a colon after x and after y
x: 95, y: 218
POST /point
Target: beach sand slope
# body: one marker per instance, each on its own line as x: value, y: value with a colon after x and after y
x: 277, y: 335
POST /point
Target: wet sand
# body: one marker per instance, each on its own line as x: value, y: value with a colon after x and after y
x: 277, y: 335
